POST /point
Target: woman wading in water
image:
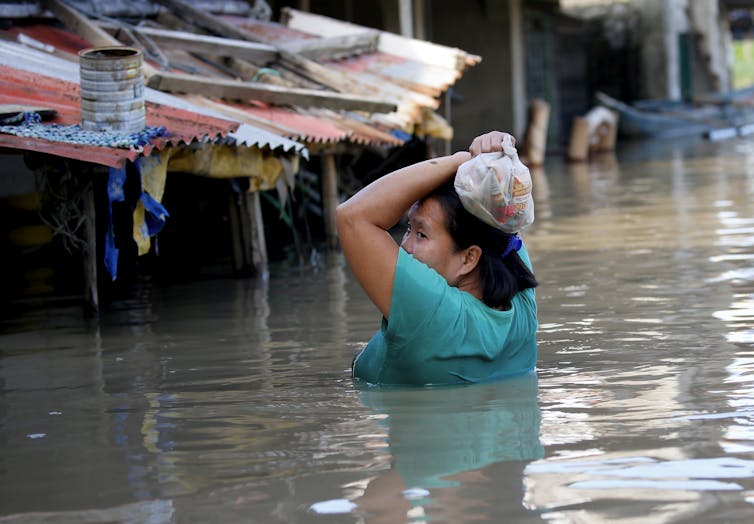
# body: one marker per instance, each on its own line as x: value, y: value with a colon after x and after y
x: 457, y: 295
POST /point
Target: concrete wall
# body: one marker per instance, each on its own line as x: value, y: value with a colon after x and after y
x: 706, y: 25
x: 715, y: 46
x: 493, y: 92
x: 659, y: 51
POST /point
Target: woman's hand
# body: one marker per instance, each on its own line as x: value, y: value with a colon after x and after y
x: 491, y: 142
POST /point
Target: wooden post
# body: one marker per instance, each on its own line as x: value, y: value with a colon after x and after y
x: 330, y: 197
x: 536, y: 132
x: 258, y: 243
x: 578, y: 147
x: 420, y: 24
x: 596, y: 131
x: 91, y: 294
x: 249, y: 248
x: 237, y: 245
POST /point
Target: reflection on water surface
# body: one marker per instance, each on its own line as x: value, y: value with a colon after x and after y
x: 231, y: 400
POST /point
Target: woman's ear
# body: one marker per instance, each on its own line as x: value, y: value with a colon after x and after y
x: 471, y: 257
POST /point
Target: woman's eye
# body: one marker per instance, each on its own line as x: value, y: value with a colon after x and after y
x: 421, y: 235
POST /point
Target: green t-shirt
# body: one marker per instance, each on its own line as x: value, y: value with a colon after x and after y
x: 439, y: 335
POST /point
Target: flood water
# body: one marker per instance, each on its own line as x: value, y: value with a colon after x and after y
x: 231, y: 401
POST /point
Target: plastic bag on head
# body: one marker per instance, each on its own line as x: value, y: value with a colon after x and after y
x: 496, y: 188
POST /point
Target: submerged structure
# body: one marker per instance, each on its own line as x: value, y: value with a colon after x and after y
x: 229, y: 96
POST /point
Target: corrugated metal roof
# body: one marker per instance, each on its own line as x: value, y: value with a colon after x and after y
x: 413, y: 73
x: 31, y: 60
x: 313, y: 126
x: 413, y: 80
x: 25, y: 88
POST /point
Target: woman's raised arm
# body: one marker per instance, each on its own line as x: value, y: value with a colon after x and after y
x: 364, y: 219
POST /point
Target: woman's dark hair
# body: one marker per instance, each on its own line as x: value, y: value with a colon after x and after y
x: 501, y: 278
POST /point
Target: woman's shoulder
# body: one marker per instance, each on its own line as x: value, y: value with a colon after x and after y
x: 410, y: 271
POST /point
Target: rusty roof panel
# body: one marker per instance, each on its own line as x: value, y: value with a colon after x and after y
x: 311, y: 126
x: 249, y: 134
x: 360, y: 131
x: 189, y: 121
x: 26, y: 88
x: 414, y: 80
x: 302, y: 126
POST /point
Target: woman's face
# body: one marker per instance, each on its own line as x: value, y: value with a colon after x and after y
x: 429, y: 241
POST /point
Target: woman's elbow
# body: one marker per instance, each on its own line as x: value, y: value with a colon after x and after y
x: 343, y: 217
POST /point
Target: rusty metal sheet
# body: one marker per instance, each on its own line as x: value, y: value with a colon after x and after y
x: 23, y: 87
x: 362, y: 132
x: 297, y: 125
x: 416, y: 86
x: 34, y: 61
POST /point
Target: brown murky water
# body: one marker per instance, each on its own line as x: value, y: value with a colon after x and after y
x: 230, y: 401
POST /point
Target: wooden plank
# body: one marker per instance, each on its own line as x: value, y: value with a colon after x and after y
x: 245, y: 70
x: 317, y: 72
x: 312, y: 48
x: 421, y: 51
x: 300, y: 64
x: 80, y: 24
x: 204, y: 19
x: 213, y: 45
x: 337, y: 80
x: 86, y: 29
x: 335, y: 47
x: 232, y: 89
